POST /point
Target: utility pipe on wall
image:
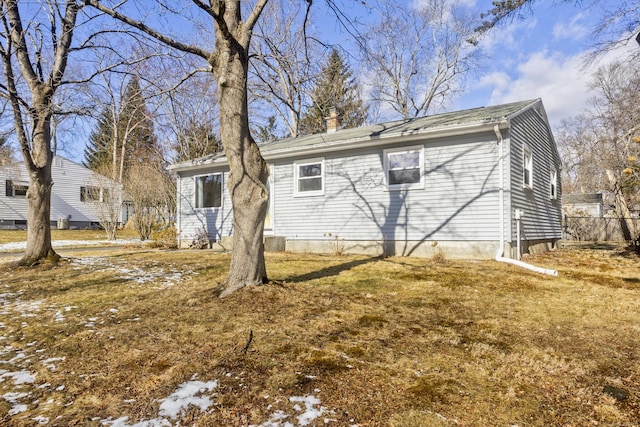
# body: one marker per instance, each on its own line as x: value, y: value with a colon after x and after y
x: 500, y: 253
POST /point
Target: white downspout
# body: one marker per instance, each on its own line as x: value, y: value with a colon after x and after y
x: 500, y: 253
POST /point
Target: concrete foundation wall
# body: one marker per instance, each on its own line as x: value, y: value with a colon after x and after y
x: 452, y: 250
x: 462, y: 250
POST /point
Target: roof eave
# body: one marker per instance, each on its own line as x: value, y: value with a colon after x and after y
x: 341, y: 145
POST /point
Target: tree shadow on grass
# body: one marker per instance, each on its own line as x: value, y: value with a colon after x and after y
x: 332, y: 270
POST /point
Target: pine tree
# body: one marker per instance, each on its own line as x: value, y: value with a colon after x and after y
x: 334, y: 88
x: 133, y: 136
x: 136, y: 127
x: 98, y: 153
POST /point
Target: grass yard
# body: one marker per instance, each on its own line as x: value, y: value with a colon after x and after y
x: 119, y: 338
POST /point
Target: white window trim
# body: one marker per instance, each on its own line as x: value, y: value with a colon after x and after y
x: 527, y: 151
x: 195, y: 193
x: 296, y: 172
x: 412, y: 186
x: 553, y: 184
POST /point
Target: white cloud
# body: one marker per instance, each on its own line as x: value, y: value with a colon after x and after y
x: 562, y: 81
x: 572, y: 30
x: 557, y: 79
x: 507, y: 38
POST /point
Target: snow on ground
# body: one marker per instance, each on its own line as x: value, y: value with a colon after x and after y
x: 19, y: 364
x: 20, y: 246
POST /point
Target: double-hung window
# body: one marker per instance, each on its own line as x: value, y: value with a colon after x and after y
x: 553, y: 190
x: 209, y: 191
x: 527, y: 168
x: 404, y: 168
x: 309, y: 177
x: 92, y: 194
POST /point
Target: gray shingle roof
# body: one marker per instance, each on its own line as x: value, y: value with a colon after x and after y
x: 347, y: 137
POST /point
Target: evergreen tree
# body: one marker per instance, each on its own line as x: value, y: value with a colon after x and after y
x: 334, y: 88
x: 136, y: 128
x: 133, y: 136
x: 98, y: 153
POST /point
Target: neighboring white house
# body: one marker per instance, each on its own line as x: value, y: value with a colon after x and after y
x: 80, y: 197
x: 456, y: 183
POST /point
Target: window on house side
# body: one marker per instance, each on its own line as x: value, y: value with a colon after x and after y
x: 91, y: 194
x: 209, y: 191
x: 554, y: 183
x: 16, y: 188
x: 309, y: 177
x: 404, y: 168
x: 527, y: 168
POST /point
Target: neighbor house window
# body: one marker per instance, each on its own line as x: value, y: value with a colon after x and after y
x: 309, y: 177
x: 16, y: 188
x: 527, y: 168
x: 209, y: 191
x: 92, y: 194
x: 553, y: 191
x: 404, y: 168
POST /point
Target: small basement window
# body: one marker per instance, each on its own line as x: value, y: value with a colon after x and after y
x: 309, y: 177
x: 209, y: 191
x: 404, y: 168
x: 16, y: 188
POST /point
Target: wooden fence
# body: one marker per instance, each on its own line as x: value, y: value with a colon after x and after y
x: 592, y: 229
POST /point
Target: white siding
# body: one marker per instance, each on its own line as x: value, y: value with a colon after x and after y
x: 67, y: 177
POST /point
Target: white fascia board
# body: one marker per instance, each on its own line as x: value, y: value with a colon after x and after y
x: 388, y: 139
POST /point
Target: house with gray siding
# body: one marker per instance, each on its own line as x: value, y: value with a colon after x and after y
x: 80, y: 198
x: 466, y: 184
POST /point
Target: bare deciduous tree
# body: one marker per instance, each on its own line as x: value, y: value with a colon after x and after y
x: 106, y: 197
x: 149, y: 188
x: 418, y: 57
x: 286, y: 61
x: 228, y: 59
x: 34, y: 53
x: 602, y: 146
x: 188, y: 112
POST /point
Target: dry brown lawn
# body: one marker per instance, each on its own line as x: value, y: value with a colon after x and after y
x: 342, y: 340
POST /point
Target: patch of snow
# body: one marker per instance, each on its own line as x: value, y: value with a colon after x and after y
x: 19, y: 377
x: 187, y: 395
x: 275, y: 420
x: 13, y: 399
x: 20, y: 246
x: 123, y: 422
x: 41, y: 420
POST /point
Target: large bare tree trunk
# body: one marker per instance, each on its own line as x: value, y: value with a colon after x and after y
x: 38, y: 163
x: 36, y: 103
x: 248, y: 170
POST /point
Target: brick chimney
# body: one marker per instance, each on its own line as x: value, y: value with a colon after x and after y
x: 333, y: 121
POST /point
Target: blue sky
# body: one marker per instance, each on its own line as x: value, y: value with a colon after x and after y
x: 541, y: 56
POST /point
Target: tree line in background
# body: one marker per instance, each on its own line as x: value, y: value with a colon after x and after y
x: 600, y: 146
x: 254, y: 71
